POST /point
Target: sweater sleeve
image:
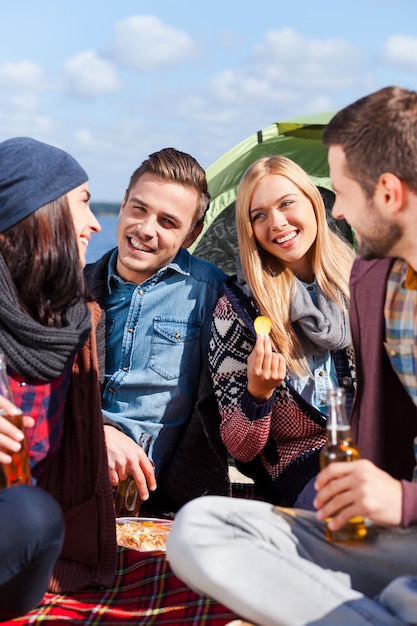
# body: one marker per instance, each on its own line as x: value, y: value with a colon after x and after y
x: 409, y: 513
x: 245, y: 424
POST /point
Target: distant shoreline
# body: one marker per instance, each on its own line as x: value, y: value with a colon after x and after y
x: 105, y: 208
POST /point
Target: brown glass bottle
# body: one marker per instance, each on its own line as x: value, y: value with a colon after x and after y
x: 18, y: 471
x: 340, y: 448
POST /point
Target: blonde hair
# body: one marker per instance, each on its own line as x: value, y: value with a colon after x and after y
x: 271, y: 283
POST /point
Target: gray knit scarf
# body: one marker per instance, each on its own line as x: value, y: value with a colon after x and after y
x: 32, y: 350
x: 325, y: 327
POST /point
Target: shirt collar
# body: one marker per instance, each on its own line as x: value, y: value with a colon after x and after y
x: 181, y: 264
x: 410, y: 279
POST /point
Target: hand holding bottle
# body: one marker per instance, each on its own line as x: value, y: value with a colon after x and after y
x: 125, y: 457
x: 11, y: 437
x: 340, y: 448
x: 15, y: 468
x: 346, y: 490
x: 128, y: 501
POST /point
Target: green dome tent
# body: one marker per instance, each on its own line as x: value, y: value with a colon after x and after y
x: 300, y: 140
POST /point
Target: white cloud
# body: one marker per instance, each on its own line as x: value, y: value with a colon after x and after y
x: 295, y: 60
x: 22, y: 76
x: 287, y: 74
x: 400, y: 51
x: 88, y: 76
x: 21, y: 103
x: 25, y: 122
x: 21, y: 87
x: 144, y: 43
x: 85, y: 137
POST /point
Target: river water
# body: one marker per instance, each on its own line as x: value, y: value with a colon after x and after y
x: 104, y: 240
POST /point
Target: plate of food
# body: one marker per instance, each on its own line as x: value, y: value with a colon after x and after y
x: 144, y: 534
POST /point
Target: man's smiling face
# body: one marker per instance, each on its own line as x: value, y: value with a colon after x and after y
x: 377, y: 235
x: 156, y: 219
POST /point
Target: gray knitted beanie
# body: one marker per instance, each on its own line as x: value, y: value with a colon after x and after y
x: 33, y: 174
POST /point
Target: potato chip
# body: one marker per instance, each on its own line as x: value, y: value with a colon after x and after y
x: 262, y: 325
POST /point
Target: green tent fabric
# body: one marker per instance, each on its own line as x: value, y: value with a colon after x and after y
x: 300, y: 140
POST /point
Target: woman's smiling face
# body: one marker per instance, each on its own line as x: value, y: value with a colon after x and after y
x: 284, y: 223
x: 85, y: 222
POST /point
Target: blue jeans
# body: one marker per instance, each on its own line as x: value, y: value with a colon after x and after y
x: 273, y: 566
x: 31, y: 537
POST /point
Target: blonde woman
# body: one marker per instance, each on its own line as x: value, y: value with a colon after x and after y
x: 272, y: 388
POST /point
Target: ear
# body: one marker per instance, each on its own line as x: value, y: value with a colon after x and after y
x: 192, y: 235
x: 122, y: 206
x: 390, y: 193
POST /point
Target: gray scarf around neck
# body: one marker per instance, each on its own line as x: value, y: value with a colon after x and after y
x: 324, y: 328
x: 32, y: 350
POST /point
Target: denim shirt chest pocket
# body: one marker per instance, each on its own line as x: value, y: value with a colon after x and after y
x: 173, y: 343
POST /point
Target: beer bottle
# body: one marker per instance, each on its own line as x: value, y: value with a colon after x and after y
x: 340, y: 448
x: 18, y: 471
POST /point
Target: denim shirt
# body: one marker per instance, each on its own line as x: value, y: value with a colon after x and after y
x: 157, y: 337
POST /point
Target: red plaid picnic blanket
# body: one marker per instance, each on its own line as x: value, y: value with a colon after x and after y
x: 145, y: 592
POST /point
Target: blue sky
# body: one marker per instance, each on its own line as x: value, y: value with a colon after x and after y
x: 112, y: 80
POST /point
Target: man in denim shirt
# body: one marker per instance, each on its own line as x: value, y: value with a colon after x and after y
x: 158, y: 301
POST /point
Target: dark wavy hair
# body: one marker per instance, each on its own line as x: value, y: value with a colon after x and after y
x: 378, y: 134
x: 42, y: 256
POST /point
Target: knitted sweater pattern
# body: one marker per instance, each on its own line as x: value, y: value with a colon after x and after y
x: 277, y: 442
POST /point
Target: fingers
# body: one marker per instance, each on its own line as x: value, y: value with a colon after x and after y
x: 7, y: 406
x: 262, y: 355
x: 28, y: 422
x: 144, y: 476
x: 5, y: 458
x: 281, y: 367
x: 114, y: 476
x: 343, y: 517
x: 9, y: 409
x: 330, y: 482
x: 266, y: 369
x: 267, y: 362
x: 11, y: 439
x: 337, y: 501
x: 9, y: 430
x: 126, y: 457
x: 359, y: 488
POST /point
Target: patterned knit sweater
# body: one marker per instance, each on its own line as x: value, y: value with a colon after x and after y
x: 277, y: 442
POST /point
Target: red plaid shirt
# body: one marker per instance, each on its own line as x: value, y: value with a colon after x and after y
x: 45, y: 403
